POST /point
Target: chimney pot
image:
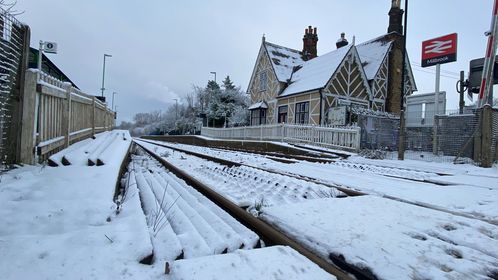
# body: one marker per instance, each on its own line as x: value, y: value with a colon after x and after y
x: 310, y: 41
x: 342, y: 41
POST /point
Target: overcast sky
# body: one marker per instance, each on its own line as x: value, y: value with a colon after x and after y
x: 161, y: 48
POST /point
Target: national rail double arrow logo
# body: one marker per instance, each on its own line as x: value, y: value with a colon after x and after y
x: 439, y: 50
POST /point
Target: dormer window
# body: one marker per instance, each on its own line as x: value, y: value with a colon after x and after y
x: 263, y: 81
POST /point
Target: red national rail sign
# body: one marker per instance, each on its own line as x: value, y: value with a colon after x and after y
x: 439, y: 50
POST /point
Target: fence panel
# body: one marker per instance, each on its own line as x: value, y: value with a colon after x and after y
x: 61, y: 115
x: 335, y: 137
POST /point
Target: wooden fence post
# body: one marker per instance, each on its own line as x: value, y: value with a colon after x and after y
x: 66, y: 114
x: 282, y: 131
x: 93, y: 116
x: 29, y: 118
x: 486, y: 136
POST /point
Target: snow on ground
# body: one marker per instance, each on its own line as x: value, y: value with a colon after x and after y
x: 184, y: 223
x: 91, y: 151
x: 61, y: 223
x: 278, y: 262
x: 245, y: 186
x: 393, y: 240
x: 472, y: 191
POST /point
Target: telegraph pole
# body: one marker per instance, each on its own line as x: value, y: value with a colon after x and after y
x: 401, y: 143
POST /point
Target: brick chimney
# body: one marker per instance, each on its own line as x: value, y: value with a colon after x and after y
x: 342, y: 42
x: 310, y: 41
x: 395, y: 18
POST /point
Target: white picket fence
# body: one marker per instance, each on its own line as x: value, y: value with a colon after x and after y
x: 334, y: 137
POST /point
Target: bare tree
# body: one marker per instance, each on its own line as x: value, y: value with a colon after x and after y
x: 8, y: 6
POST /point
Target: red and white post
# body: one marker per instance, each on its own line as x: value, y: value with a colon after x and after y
x: 485, y: 92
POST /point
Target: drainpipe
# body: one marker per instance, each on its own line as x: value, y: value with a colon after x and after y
x: 321, y: 109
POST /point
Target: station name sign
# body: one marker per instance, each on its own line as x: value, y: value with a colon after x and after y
x: 439, y: 50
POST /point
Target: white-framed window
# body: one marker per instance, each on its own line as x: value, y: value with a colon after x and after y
x: 263, y: 80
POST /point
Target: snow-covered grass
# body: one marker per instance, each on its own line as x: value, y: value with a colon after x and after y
x: 61, y: 223
x: 272, y: 263
x: 392, y: 240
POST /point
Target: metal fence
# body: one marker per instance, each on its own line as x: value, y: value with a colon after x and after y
x: 442, y: 139
x: 334, y: 137
x: 12, y: 54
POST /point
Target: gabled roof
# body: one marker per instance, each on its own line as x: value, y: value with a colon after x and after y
x: 258, y: 105
x: 372, y: 54
x: 283, y: 60
x: 315, y: 73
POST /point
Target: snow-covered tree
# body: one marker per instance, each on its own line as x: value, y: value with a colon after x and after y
x: 221, y: 105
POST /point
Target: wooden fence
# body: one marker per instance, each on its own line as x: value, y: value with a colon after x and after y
x: 333, y: 137
x: 55, y: 114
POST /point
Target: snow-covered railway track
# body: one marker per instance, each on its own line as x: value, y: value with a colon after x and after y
x: 242, y: 160
x: 183, y: 223
x: 231, y: 163
x: 269, y: 234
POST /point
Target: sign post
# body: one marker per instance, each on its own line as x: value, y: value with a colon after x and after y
x: 438, y: 51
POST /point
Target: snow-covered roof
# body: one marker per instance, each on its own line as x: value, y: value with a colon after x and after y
x: 258, y: 105
x: 372, y: 54
x: 283, y: 60
x: 315, y: 73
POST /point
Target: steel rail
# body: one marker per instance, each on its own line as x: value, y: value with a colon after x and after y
x: 264, y: 230
x: 348, y: 191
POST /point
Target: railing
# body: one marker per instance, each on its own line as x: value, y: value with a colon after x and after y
x: 56, y: 114
x: 334, y: 137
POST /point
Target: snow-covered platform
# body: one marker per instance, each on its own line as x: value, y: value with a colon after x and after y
x: 270, y: 263
x: 61, y: 223
x: 391, y: 239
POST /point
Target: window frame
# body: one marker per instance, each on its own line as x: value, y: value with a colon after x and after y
x: 280, y: 113
x: 302, y: 112
x: 263, y: 83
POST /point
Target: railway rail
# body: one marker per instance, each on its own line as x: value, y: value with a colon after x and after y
x: 346, y: 190
x: 269, y: 235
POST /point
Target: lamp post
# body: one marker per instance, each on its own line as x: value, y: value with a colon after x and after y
x: 103, y: 74
x: 112, y: 105
x: 214, y: 73
x: 176, y: 108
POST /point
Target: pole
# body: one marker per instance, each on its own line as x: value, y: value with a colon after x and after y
x: 485, y: 95
x: 436, y: 95
x: 461, y: 91
x: 103, y: 74
x: 176, y: 109
x: 401, y: 143
x: 214, y: 75
x: 40, y: 54
x: 112, y: 105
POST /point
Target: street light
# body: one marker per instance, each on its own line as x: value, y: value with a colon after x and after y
x: 214, y: 76
x: 176, y: 108
x: 113, y: 93
x: 103, y: 74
